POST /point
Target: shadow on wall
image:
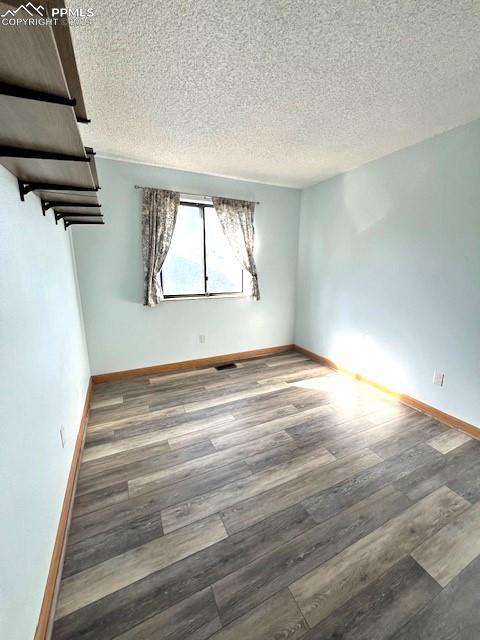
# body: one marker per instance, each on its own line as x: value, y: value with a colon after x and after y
x: 365, y: 199
x: 131, y: 283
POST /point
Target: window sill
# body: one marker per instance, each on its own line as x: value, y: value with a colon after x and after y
x: 213, y: 297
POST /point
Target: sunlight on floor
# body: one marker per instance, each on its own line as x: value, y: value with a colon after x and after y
x: 341, y: 390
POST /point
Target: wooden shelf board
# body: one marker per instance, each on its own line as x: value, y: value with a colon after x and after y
x: 54, y: 171
x: 39, y: 125
x: 80, y: 210
x: 69, y: 196
x: 48, y: 59
x: 29, y: 57
x: 63, y: 39
x: 93, y: 169
x: 83, y: 219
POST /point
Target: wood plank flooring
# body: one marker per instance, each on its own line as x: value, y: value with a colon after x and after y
x: 275, y: 500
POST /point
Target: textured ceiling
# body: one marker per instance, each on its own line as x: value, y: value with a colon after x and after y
x: 282, y: 91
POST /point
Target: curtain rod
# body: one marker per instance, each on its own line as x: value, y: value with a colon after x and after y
x: 185, y: 193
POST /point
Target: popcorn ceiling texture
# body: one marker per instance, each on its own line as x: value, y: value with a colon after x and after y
x: 282, y: 91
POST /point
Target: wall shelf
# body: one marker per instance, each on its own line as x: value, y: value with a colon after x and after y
x: 58, y: 215
x: 30, y: 94
x: 77, y: 216
x: 48, y: 192
x: 67, y: 222
x: 58, y: 205
x: 51, y: 189
x: 41, y: 103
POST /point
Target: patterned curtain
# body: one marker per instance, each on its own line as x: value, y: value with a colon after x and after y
x: 236, y: 218
x: 159, y: 215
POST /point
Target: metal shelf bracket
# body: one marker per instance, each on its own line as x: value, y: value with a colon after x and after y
x: 68, y: 223
x: 25, y: 187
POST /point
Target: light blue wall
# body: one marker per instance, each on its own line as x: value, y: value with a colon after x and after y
x: 389, y: 270
x: 122, y: 334
x: 388, y: 284
x: 43, y: 381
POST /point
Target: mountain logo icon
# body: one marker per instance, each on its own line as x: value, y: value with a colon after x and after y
x: 30, y: 8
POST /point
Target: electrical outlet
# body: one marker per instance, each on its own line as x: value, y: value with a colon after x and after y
x: 201, y: 339
x: 438, y: 378
x: 63, y: 437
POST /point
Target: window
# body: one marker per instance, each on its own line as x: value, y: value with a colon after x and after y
x: 200, y: 261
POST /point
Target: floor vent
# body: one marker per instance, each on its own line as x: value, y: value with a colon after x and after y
x: 230, y: 365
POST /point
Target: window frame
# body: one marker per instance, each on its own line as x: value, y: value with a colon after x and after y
x: 219, y: 294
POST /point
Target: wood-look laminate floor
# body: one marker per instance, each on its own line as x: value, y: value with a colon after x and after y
x: 275, y: 500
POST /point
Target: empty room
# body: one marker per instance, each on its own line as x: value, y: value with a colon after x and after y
x: 240, y: 320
